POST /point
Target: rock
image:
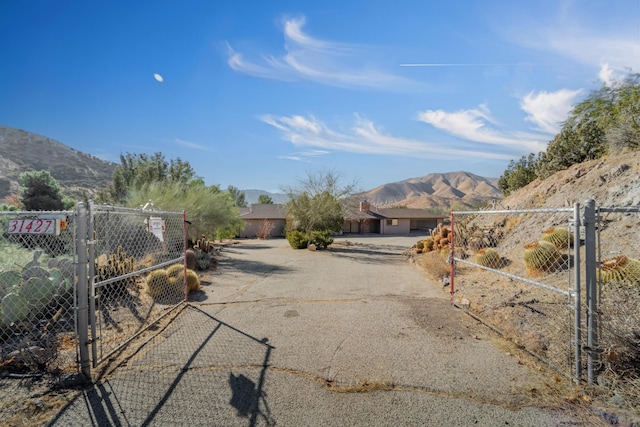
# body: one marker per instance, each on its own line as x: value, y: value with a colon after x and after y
x: 312, y: 247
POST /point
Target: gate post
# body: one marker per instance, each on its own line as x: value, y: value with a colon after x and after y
x: 576, y: 289
x: 591, y: 285
x: 82, y: 288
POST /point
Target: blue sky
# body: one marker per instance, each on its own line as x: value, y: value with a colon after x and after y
x: 257, y: 93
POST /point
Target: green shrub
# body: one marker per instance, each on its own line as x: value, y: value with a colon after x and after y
x: 297, y: 239
x: 322, y: 239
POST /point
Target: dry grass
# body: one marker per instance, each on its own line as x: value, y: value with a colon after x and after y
x: 434, y: 264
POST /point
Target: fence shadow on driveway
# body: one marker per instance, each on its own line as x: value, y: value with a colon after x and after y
x: 196, y: 371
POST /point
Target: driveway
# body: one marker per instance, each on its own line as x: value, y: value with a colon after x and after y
x: 353, y: 335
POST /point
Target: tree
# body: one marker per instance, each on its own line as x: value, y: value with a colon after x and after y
x: 207, y: 208
x: 237, y: 196
x: 265, y: 199
x: 316, y: 203
x: 40, y: 192
x: 139, y: 170
x: 518, y: 174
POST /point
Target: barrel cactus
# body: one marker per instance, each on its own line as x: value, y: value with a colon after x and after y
x: 620, y: 270
x: 191, y: 259
x: 193, y: 281
x: 488, y: 257
x: 157, y: 282
x: 541, y: 257
x: 560, y: 237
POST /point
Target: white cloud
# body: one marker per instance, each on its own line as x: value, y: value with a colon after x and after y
x: 476, y: 125
x: 190, y: 144
x: 320, y: 61
x: 609, y: 76
x: 548, y: 110
x: 366, y: 138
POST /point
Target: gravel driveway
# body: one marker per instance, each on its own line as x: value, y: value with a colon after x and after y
x: 353, y: 335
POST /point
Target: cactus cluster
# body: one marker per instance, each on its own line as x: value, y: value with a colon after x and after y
x: 203, y: 260
x: 27, y: 293
x: 437, y: 241
x: 620, y: 270
x: 171, y: 281
x: 115, y: 265
x: 203, y: 244
x: 540, y: 258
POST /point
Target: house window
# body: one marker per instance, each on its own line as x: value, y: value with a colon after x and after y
x: 392, y: 222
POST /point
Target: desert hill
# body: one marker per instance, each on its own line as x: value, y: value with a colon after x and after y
x: 436, y: 190
x: 75, y: 172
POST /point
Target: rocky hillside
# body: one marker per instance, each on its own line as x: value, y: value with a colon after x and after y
x: 22, y: 151
x: 436, y: 190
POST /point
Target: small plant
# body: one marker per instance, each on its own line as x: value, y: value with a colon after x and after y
x: 115, y: 265
x: 488, y: 257
x: 297, y: 239
x: 540, y: 258
x: 203, y: 260
x: 560, y: 237
x: 190, y: 258
x: 322, y: 239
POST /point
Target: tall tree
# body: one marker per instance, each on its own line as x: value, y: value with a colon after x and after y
x: 238, y: 196
x: 265, y: 199
x: 316, y: 203
x: 40, y: 192
x: 139, y: 170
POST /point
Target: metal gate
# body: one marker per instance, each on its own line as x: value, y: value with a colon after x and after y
x: 136, y: 273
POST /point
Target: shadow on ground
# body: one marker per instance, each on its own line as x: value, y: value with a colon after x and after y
x: 196, y: 371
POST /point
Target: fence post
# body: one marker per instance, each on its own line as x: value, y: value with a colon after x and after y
x: 451, y: 258
x: 82, y: 288
x: 576, y: 291
x: 591, y: 285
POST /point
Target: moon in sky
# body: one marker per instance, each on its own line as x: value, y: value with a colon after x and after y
x: 158, y: 77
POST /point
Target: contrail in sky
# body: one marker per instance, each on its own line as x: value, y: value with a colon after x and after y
x: 462, y: 65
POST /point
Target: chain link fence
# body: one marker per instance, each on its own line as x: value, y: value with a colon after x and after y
x: 515, y: 270
x: 618, y: 304
x: 37, y: 291
x: 137, y: 271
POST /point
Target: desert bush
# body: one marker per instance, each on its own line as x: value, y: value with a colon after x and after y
x: 322, y: 239
x: 435, y: 265
x: 297, y: 239
x: 265, y: 228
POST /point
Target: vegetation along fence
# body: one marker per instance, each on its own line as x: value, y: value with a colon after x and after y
x: 563, y: 283
x: 37, y: 290
x: 76, y: 286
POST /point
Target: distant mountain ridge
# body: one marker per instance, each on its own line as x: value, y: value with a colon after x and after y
x: 75, y: 171
x: 436, y: 190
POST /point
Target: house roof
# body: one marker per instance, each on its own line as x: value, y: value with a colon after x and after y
x: 264, y: 211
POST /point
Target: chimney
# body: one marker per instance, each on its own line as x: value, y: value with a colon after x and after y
x: 365, y: 206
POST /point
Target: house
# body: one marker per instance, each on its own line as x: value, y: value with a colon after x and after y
x: 367, y: 220
x: 370, y: 219
x: 257, y: 215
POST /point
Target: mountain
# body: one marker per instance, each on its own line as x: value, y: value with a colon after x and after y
x: 75, y: 172
x: 436, y: 190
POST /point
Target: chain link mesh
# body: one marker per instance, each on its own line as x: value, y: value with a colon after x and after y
x: 514, y: 270
x: 618, y: 236
x: 37, y: 282
x: 138, y: 271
